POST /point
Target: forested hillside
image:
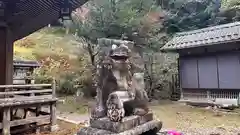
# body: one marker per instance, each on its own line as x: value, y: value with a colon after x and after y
x: 60, y: 55
x: 149, y: 23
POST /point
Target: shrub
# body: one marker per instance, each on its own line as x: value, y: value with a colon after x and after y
x: 67, y: 84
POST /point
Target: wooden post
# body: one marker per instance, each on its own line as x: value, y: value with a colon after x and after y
x: 208, y: 95
x: 38, y: 109
x: 53, y: 117
x: 181, y: 91
x: 54, y: 88
x: 6, y: 121
x: 6, y: 57
x: 238, y: 99
x: 6, y: 71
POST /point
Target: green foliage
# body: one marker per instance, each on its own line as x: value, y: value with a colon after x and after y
x: 68, y: 84
x: 190, y: 15
x: 230, y: 10
x: 118, y: 19
x: 150, y: 24
x: 158, y: 74
x: 231, y: 3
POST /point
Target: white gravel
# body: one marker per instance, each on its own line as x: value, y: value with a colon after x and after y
x: 208, y: 131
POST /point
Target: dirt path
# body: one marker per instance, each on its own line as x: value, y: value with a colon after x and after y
x: 73, y: 117
x: 70, y: 117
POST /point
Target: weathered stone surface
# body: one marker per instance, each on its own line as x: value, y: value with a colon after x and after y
x: 117, y: 127
x: 116, y: 72
x: 122, y: 102
x: 145, y: 118
x: 152, y: 127
x: 93, y: 131
x: 148, y: 128
x: 136, y: 58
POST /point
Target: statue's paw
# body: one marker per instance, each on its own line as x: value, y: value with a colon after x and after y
x: 131, y: 95
x: 140, y: 111
x: 116, y: 115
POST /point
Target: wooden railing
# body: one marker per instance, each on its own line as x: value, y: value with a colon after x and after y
x: 27, y: 97
x: 22, y: 80
x: 220, y: 97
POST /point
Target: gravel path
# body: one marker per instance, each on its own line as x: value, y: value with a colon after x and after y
x: 186, y: 119
x: 207, y: 131
x: 211, y: 131
x: 73, y: 118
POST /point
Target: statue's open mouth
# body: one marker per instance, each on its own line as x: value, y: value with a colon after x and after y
x: 119, y: 57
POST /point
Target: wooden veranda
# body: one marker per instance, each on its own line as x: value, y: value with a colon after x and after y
x: 22, y: 105
x: 19, y: 18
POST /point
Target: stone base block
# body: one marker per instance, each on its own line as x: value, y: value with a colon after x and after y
x: 149, y: 128
x: 117, y: 127
x: 54, y: 128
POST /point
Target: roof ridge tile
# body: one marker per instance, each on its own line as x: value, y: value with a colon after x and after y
x: 206, y: 36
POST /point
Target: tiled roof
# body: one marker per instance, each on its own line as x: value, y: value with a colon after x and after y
x: 203, y: 37
x: 28, y: 63
x: 24, y: 17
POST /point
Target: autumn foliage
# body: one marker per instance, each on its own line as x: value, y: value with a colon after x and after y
x: 60, y: 57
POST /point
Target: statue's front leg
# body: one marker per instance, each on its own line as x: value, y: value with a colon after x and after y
x: 131, y: 95
x: 99, y: 110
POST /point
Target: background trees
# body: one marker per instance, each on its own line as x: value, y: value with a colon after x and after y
x: 149, y: 23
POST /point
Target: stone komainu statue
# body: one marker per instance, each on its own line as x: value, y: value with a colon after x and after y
x: 120, y: 92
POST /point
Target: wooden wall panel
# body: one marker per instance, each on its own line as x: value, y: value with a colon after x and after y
x: 229, y: 71
x: 208, y: 73
x: 188, y: 73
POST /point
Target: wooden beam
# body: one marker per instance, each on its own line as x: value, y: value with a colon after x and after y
x: 26, y: 92
x: 15, y: 131
x: 53, y: 117
x: 53, y: 109
x: 6, y: 57
x: 54, y: 88
x: 5, y: 126
x: 40, y: 112
x: 39, y: 119
x: 25, y: 86
x: 26, y: 100
x: 37, y: 22
x: 45, y: 15
x: 26, y: 9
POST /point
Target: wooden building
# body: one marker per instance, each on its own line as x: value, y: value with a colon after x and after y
x: 23, y: 70
x: 19, y: 18
x: 209, y: 64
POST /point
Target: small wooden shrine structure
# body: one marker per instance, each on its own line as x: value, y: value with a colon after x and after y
x: 19, y: 18
x: 23, y: 71
x: 209, y: 64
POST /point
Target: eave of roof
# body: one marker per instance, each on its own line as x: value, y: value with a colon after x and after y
x: 28, y: 16
x: 25, y: 63
x: 204, y: 37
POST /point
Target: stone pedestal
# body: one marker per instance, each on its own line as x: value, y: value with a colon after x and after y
x: 131, y: 125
